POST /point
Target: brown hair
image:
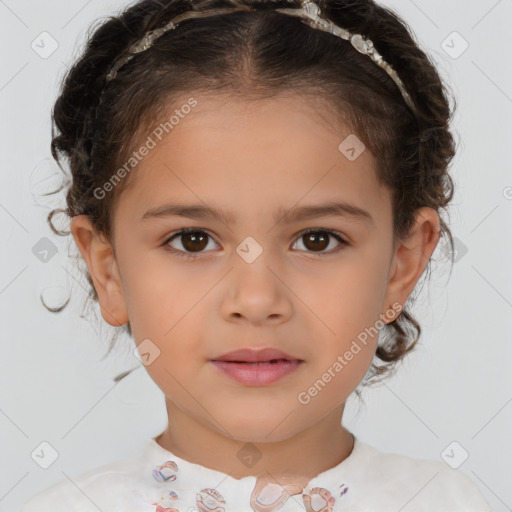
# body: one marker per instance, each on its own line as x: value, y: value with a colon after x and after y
x: 260, y: 54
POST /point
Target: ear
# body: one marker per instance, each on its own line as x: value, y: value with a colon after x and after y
x: 100, y: 258
x: 411, y: 258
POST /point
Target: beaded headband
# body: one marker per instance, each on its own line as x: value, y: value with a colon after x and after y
x: 309, y: 13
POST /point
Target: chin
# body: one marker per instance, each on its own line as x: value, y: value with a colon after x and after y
x: 250, y: 428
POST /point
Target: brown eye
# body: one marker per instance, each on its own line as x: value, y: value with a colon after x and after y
x: 318, y: 240
x: 192, y: 241
x: 195, y: 241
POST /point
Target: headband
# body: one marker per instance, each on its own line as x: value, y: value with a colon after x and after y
x: 309, y: 13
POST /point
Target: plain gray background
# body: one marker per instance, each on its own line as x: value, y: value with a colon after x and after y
x: 456, y: 386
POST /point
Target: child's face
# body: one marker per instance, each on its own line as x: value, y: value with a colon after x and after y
x: 310, y: 299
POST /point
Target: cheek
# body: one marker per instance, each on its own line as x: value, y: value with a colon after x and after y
x: 346, y: 298
x: 347, y: 294
x: 164, y: 305
x: 157, y: 291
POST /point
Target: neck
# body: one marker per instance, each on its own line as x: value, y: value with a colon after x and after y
x: 299, y: 458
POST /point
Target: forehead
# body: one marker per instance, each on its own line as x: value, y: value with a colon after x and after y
x: 251, y: 153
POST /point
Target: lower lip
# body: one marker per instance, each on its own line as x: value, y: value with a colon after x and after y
x: 257, y: 374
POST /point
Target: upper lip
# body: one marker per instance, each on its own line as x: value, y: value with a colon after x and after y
x: 255, y: 355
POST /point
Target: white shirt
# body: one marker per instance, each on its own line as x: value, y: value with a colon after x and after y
x: 367, y: 480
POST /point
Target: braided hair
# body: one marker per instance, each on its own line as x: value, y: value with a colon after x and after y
x: 97, y: 123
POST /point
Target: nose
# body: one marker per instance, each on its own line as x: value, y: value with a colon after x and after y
x: 255, y: 293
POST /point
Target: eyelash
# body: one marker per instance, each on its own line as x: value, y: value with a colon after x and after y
x: 191, y: 255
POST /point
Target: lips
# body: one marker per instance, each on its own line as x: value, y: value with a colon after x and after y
x: 247, y: 355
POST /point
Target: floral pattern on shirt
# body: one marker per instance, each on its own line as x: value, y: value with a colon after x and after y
x: 266, y: 496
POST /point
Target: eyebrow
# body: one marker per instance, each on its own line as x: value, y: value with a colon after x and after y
x: 281, y: 215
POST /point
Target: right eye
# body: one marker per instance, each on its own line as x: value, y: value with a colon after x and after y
x: 191, y: 239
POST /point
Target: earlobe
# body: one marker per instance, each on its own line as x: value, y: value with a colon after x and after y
x: 99, y: 256
x: 412, y: 256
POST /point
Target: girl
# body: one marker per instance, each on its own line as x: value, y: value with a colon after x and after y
x: 256, y: 193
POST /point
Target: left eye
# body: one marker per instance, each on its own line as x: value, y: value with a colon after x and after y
x: 194, y: 241
x: 318, y: 237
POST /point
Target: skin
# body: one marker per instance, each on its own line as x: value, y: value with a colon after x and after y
x: 252, y: 157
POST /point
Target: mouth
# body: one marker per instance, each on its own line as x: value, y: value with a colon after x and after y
x: 258, y: 373
x: 259, y: 363
x: 267, y: 355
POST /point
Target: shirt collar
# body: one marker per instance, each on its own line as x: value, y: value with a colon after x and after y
x: 214, y: 491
